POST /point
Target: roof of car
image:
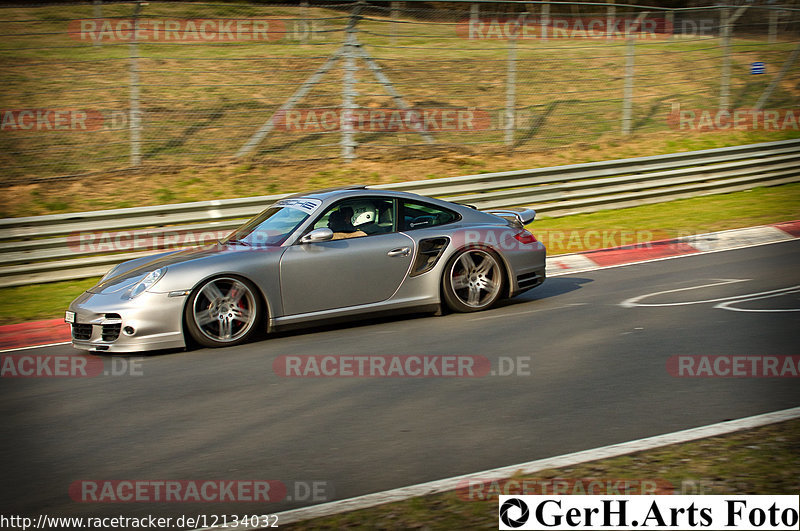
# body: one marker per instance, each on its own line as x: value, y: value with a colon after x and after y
x: 326, y: 194
x: 328, y: 191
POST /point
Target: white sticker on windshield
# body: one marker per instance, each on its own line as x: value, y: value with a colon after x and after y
x: 305, y: 204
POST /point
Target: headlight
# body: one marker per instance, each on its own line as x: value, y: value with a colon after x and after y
x: 148, y: 281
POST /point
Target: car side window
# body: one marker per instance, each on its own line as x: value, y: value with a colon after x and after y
x: 358, y: 217
x: 420, y: 215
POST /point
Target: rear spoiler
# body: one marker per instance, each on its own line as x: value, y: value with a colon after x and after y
x: 519, y: 216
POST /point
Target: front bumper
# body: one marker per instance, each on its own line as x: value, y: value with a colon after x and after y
x: 109, y: 323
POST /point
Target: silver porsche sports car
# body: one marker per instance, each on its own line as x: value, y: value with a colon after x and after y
x: 319, y: 256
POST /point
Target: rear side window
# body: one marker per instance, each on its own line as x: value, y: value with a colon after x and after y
x: 422, y: 215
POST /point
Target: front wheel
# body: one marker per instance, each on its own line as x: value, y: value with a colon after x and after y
x: 473, y: 280
x: 223, y: 312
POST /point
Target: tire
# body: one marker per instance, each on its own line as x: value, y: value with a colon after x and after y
x: 473, y: 280
x: 223, y: 311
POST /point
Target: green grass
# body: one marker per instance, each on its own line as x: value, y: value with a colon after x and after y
x: 687, y: 216
x: 760, y: 461
x: 40, y: 301
x: 684, y: 217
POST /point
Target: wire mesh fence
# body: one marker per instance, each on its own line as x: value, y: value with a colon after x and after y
x: 100, y: 87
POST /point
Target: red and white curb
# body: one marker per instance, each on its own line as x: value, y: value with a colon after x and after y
x: 56, y: 332
x: 34, y: 334
x: 666, y: 249
x: 531, y: 467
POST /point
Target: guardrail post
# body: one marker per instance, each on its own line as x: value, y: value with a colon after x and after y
x: 135, y: 122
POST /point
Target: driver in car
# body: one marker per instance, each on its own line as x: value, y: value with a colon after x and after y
x: 348, y: 221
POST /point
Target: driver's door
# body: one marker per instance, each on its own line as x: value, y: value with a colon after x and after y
x: 345, y: 272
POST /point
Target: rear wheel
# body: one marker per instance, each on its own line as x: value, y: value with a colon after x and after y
x: 223, y: 311
x: 473, y: 280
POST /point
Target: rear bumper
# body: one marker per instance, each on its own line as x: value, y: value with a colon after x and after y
x: 528, y: 281
x: 526, y: 268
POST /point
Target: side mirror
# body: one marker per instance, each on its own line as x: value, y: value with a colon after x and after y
x: 323, y: 234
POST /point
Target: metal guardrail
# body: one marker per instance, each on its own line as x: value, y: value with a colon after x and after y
x: 54, y: 247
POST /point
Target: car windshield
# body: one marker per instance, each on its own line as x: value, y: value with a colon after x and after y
x: 274, y: 225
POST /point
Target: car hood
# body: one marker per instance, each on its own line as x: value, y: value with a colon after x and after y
x: 134, y: 270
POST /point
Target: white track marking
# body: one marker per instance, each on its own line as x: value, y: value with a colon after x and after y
x: 531, y: 467
x: 36, y: 346
x: 631, y: 303
x: 634, y: 301
x: 728, y: 305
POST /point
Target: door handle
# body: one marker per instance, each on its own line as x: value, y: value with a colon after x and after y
x: 401, y: 251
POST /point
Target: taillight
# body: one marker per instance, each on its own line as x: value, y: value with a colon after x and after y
x: 525, y: 237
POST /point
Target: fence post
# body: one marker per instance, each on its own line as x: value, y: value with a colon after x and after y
x: 97, y: 12
x: 135, y: 121
x: 627, y: 96
x: 773, y: 26
x: 348, y: 143
x: 727, y: 18
x: 627, y: 91
x: 545, y: 20
x: 611, y: 12
x: 670, y: 24
x: 395, y: 15
x: 511, y: 83
x: 305, y: 27
x: 725, y: 36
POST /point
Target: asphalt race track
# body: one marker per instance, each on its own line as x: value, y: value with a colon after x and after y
x: 598, y: 376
